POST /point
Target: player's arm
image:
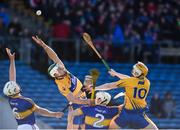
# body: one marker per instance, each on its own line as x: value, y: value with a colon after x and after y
x: 75, y: 99
x: 80, y: 93
x: 113, y: 85
x: 113, y: 73
x: 120, y: 107
x: 76, y: 112
x: 12, y: 68
x: 42, y: 111
x: 48, y: 113
x: 51, y: 54
x: 107, y: 86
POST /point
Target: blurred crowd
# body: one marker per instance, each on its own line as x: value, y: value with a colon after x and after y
x: 16, y: 28
x: 118, y: 20
x: 17, y: 23
x: 113, y: 23
x: 163, y: 107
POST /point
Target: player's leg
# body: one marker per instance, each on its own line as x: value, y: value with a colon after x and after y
x: 82, y: 122
x: 70, y: 120
x: 82, y: 127
x: 69, y: 123
x: 113, y: 125
x: 75, y: 127
x: 119, y: 121
x: 78, y: 121
x: 151, y: 124
x: 36, y: 127
x: 139, y: 120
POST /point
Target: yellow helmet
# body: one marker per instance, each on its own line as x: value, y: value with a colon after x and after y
x: 139, y: 69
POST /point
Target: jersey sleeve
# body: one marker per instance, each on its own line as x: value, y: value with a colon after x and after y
x: 123, y: 82
x: 31, y: 104
x: 114, y: 110
x: 80, y: 111
x: 84, y: 109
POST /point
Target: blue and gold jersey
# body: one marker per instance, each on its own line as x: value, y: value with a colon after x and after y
x: 69, y: 83
x: 98, y: 117
x: 136, y: 91
x: 23, y: 110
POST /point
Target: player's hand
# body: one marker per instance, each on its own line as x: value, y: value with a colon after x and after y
x: 11, y: 56
x: 38, y: 40
x: 112, y: 72
x: 70, y: 108
x: 120, y: 107
x: 58, y: 114
x: 88, y: 88
x: 91, y: 102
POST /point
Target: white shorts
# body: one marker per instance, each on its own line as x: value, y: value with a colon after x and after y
x: 27, y: 127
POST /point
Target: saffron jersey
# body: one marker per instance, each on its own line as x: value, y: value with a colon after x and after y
x: 69, y: 83
x: 136, y: 91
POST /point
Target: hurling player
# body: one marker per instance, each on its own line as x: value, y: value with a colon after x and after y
x: 68, y: 85
x: 23, y: 108
x: 136, y: 91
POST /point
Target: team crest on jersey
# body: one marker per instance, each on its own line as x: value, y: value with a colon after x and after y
x: 13, y: 103
x: 99, y: 110
x: 73, y: 80
x: 73, y: 83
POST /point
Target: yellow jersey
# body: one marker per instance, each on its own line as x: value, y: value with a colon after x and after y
x: 136, y: 91
x: 68, y: 84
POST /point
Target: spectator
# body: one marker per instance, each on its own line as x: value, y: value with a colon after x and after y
x: 97, y: 17
x: 169, y: 105
x: 116, y: 20
x: 35, y: 3
x: 135, y: 38
x: 2, y: 29
x: 118, y: 36
x: 151, y: 8
x: 156, y: 106
x: 15, y: 27
x: 150, y: 34
x: 62, y: 30
x: 5, y: 16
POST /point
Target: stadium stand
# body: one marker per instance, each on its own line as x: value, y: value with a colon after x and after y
x: 44, y: 92
x: 122, y: 30
x: 120, y: 25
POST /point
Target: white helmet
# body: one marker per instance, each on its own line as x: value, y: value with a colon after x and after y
x: 11, y: 88
x: 104, y: 96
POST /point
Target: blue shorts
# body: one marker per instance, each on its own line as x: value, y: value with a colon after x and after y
x: 132, y: 118
x: 78, y: 120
